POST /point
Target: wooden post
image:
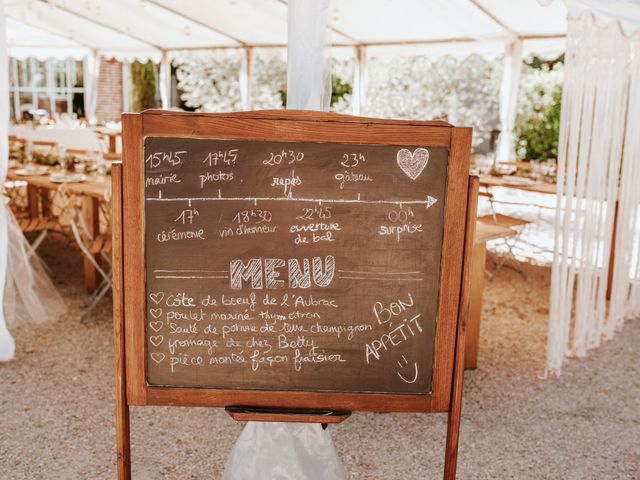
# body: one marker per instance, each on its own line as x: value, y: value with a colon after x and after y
x: 478, y: 261
x: 612, y: 252
x: 455, y: 408
x: 113, y: 147
x: 122, y: 408
x: 91, y: 213
x: 34, y: 201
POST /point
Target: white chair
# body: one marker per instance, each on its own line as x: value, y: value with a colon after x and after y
x: 506, y: 221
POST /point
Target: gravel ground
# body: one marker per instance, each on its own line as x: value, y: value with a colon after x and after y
x: 56, y: 407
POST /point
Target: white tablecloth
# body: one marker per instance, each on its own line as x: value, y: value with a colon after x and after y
x: 66, y: 137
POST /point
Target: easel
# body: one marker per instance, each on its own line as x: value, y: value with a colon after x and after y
x: 460, y: 147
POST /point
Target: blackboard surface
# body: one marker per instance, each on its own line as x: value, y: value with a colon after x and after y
x: 292, y: 266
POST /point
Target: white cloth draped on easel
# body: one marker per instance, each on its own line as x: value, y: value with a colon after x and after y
x: 600, y: 121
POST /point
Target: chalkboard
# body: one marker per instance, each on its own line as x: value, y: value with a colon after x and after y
x: 291, y: 259
x: 292, y: 266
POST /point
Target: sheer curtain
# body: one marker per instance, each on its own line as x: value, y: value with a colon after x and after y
x: 7, y: 345
x: 308, y: 60
x: 26, y: 292
x: 600, y: 120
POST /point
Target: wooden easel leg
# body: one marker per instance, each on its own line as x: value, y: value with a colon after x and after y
x: 123, y: 447
x: 455, y: 407
x: 122, y: 442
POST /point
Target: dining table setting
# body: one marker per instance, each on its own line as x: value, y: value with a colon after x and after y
x: 47, y: 181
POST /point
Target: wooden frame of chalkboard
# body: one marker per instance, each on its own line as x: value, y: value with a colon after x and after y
x: 130, y: 295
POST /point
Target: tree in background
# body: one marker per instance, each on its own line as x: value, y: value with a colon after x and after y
x: 210, y: 81
x: 145, y: 86
x: 340, y: 91
x: 538, y: 120
x: 463, y: 91
x: 400, y: 87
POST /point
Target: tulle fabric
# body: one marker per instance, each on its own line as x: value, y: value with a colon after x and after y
x: 29, y: 293
x: 284, y: 451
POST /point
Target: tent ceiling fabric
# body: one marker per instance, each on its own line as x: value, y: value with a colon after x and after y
x: 145, y: 28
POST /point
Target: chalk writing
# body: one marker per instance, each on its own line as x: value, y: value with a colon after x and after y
x: 265, y: 273
x: 286, y: 157
x: 222, y: 157
x: 155, y: 160
x: 297, y: 266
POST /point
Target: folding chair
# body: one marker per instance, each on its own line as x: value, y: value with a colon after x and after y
x: 17, y: 195
x: 43, y: 225
x: 16, y: 190
x: 507, y: 221
x: 90, y: 247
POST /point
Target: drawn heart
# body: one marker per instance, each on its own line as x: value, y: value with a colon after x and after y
x: 156, y: 297
x: 156, y: 340
x: 156, y: 312
x: 157, y: 357
x: 156, y: 325
x: 412, y: 164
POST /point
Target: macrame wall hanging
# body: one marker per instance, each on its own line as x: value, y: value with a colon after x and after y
x: 598, y: 173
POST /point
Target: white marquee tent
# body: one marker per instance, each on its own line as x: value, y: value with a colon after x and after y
x: 147, y: 28
x: 163, y: 29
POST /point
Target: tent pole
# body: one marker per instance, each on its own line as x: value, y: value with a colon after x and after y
x: 246, y: 74
x: 165, y: 81
x: 126, y: 85
x: 509, y: 100
x: 360, y: 83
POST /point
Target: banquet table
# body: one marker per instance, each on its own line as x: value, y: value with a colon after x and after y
x: 92, y: 192
x: 114, y: 136
x: 489, y: 181
x: 66, y: 137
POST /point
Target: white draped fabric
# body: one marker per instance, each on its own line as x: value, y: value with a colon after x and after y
x: 600, y: 95
x: 26, y: 292
x: 308, y: 72
x: 7, y: 345
x: 625, y: 291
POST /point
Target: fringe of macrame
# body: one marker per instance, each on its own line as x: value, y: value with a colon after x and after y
x: 600, y: 121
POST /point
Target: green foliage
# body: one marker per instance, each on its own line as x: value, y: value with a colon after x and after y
x: 145, y: 85
x: 339, y: 90
x: 542, y: 64
x: 538, y: 121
